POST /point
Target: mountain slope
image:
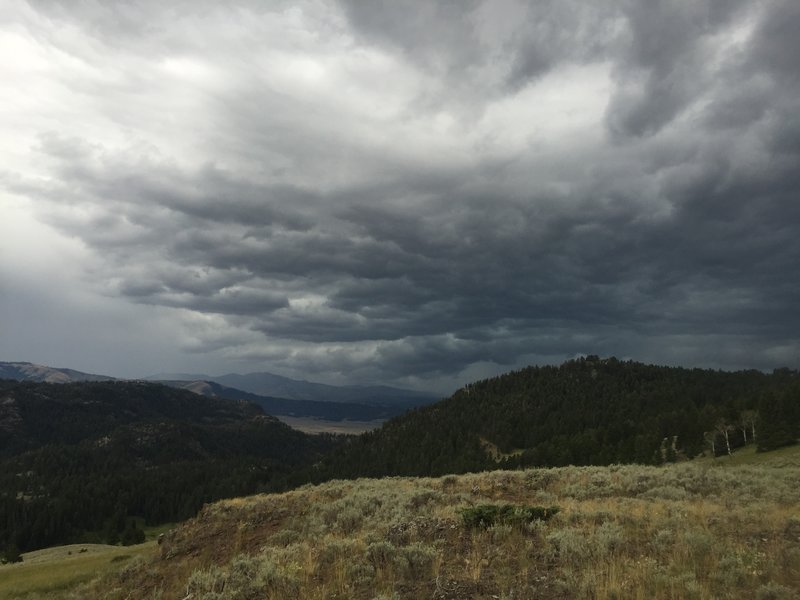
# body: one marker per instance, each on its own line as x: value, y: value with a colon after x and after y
x: 587, y: 411
x: 36, y: 414
x: 79, y: 460
x: 25, y: 371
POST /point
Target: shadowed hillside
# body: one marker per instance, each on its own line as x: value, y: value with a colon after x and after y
x: 90, y: 461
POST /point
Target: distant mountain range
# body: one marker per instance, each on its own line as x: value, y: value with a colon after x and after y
x: 268, y: 384
x: 261, y: 384
x: 280, y: 396
x: 284, y: 407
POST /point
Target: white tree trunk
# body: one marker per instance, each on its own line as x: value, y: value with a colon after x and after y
x: 727, y: 442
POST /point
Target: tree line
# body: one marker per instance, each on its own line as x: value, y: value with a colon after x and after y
x: 589, y: 411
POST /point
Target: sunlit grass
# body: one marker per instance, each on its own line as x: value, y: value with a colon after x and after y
x: 789, y: 456
x: 57, y: 570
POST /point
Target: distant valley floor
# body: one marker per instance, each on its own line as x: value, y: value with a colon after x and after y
x: 313, y: 425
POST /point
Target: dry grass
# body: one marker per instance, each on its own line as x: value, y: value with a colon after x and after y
x: 693, y: 530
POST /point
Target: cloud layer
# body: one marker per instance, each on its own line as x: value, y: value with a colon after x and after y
x: 418, y: 193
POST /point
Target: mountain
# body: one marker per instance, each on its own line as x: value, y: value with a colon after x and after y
x: 590, y: 411
x: 328, y: 411
x: 84, y: 461
x: 262, y: 384
x: 25, y: 371
x: 276, y: 386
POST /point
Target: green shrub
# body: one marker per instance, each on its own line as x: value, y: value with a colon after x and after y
x: 486, y: 515
x: 349, y: 520
x: 774, y: 591
x: 607, y: 539
x: 571, y: 545
x: 10, y: 554
x: 381, y: 554
x: 247, y: 577
x: 666, y: 492
x: 699, y: 543
x: 416, y: 561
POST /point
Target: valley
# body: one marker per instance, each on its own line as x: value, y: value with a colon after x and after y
x: 314, y: 425
x: 595, y: 478
x: 347, y: 300
x: 307, y: 406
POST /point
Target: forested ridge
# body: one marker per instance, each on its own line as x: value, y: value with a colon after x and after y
x: 92, y: 461
x: 34, y: 414
x: 589, y: 411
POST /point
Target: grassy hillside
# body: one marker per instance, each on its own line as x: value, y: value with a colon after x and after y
x: 712, y: 529
x: 55, y: 572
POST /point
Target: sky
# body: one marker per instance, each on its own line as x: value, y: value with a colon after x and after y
x: 409, y: 193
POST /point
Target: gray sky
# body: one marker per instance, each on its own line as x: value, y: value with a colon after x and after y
x: 408, y: 193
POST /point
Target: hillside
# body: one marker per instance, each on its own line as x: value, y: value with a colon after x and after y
x: 80, y: 461
x: 25, y: 371
x: 586, y: 411
x: 36, y: 414
x: 690, y: 530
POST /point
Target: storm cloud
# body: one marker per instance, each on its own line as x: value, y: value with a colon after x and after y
x: 410, y: 193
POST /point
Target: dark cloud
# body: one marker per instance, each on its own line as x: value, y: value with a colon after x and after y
x: 665, y: 66
x: 775, y: 45
x: 478, y: 51
x: 555, y: 33
x: 407, y: 193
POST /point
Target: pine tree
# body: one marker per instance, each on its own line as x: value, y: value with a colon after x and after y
x: 779, y: 419
x: 11, y: 554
